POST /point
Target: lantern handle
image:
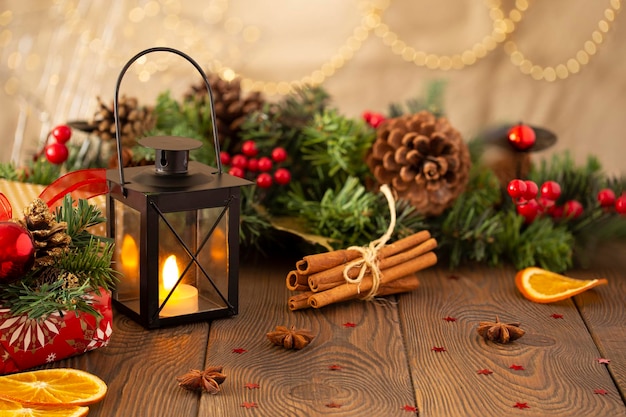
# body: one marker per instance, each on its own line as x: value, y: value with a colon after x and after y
x: 216, y: 143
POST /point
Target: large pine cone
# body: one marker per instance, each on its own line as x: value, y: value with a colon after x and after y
x: 231, y: 106
x: 423, y: 158
x: 135, y: 120
x: 51, y: 239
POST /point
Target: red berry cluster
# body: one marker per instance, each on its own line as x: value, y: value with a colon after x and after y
x: 247, y: 164
x: 56, y: 149
x: 373, y: 119
x: 530, y: 205
x: 606, y: 199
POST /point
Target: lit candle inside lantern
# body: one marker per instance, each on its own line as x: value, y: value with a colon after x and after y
x: 184, y: 299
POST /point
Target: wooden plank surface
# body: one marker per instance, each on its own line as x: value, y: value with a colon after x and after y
x: 558, y: 354
x: 372, y: 378
x: 386, y: 362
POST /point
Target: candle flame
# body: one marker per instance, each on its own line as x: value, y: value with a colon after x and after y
x: 130, y: 254
x: 170, y: 272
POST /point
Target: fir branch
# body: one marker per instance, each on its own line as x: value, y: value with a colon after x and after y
x: 79, y: 219
x: 91, y: 263
x: 9, y: 172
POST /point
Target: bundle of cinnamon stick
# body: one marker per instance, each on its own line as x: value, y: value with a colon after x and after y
x: 321, y: 281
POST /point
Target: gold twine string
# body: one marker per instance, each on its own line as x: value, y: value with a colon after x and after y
x: 369, y: 261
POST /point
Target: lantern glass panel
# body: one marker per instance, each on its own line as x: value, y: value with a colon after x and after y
x: 126, y: 259
x: 193, y: 261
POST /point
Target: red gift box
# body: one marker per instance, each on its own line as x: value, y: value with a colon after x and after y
x: 26, y: 343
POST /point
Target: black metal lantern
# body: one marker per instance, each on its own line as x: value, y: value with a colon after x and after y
x: 176, y: 229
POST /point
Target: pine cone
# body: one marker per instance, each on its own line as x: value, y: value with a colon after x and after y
x: 423, y: 158
x: 51, y: 239
x: 134, y: 120
x: 231, y: 107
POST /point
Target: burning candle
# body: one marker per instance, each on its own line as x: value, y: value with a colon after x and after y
x: 184, y: 299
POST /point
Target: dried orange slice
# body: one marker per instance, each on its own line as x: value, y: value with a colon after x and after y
x: 60, y: 387
x: 13, y: 409
x: 542, y: 286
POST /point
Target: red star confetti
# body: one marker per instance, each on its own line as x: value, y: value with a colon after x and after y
x: 409, y: 408
x: 449, y: 319
x: 252, y: 385
x: 516, y: 367
x: 248, y: 405
x: 239, y: 350
x: 603, y: 361
x: 484, y: 372
x: 600, y: 391
x: 438, y: 349
x: 349, y: 324
x: 521, y: 405
x: 556, y: 316
x: 333, y: 405
x: 335, y: 367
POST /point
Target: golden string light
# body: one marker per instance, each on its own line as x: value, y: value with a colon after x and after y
x: 574, y: 64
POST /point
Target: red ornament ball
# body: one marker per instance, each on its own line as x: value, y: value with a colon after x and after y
x: 265, y: 164
x: 249, y: 148
x: 522, y: 137
x: 572, y: 209
x: 606, y: 197
x: 279, y: 154
x: 264, y: 180
x: 62, y: 133
x: 282, y: 176
x: 56, y: 153
x: 17, y: 251
x: 551, y: 190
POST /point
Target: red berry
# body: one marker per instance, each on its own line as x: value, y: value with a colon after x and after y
x: 237, y: 172
x: 249, y: 148
x: 551, y: 190
x: 522, y: 137
x: 264, y: 180
x: 265, y: 164
x: 279, y: 154
x: 239, y: 161
x: 529, y: 210
x: 531, y: 190
x: 376, y: 120
x: 606, y: 197
x: 516, y: 188
x: 56, y: 153
x: 62, y: 133
x: 620, y: 204
x: 556, y: 212
x: 572, y: 208
x: 253, y: 164
x: 282, y: 176
x: 225, y: 157
x: 367, y: 115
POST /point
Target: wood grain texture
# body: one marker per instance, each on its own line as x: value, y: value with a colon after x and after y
x: 140, y: 369
x: 373, y: 379
x: 558, y: 355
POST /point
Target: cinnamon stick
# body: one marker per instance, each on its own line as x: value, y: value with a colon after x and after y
x: 299, y: 301
x: 297, y: 281
x: 348, y: 291
x: 312, y: 264
x: 332, y: 277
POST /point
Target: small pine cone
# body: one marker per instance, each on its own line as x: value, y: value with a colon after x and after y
x: 50, y: 237
x: 135, y: 120
x: 423, y: 158
x: 231, y: 106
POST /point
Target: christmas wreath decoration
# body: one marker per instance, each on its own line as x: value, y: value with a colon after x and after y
x: 317, y: 174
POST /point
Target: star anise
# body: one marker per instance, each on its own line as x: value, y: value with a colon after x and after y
x: 208, y: 380
x: 290, y: 338
x: 500, y: 332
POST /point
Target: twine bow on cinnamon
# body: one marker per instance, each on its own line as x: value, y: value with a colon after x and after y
x: 369, y: 260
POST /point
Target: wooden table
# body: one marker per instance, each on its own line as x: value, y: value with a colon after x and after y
x: 379, y: 358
